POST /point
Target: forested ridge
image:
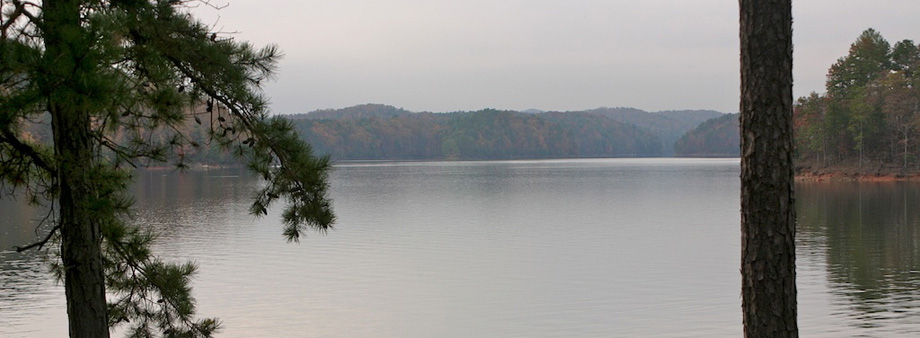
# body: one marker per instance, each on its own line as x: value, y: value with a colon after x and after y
x: 668, y: 125
x: 380, y: 132
x: 716, y: 137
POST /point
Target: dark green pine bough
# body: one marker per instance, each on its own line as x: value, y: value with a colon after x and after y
x: 111, y: 78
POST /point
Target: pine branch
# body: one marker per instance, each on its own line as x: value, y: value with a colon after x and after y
x: 7, y: 137
x: 40, y: 243
x: 143, y: 266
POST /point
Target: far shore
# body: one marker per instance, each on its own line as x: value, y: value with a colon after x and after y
x: 850, y: 173
x: 191, y: 167
x: 804, y: 172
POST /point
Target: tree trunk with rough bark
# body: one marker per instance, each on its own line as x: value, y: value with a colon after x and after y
x: 66, y: 82
x: 767, y: 174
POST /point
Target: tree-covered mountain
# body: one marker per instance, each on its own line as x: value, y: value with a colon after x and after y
x: 392, y: 133
x: 716, y: 137
x: 668, y: 125
x: 599, y: 136
x: 382, y: 132
x: 363, y: 111
x: 409, y: 137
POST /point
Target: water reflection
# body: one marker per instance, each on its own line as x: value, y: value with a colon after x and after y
x: 472, y: 249
x: 869, y: 236
x: 539, y: 248
x: 24, y: 277
x: 187, y: 208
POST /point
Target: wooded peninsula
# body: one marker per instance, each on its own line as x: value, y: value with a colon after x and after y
x: 378, y: 132
x: 867, y: 122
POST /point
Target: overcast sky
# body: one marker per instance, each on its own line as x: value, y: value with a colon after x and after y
x: 440, y: 56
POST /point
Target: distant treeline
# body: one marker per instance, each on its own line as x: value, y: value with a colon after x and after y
x: 717, y: 137
x: 379, y: 132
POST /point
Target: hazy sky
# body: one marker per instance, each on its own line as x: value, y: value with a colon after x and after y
x: 433, y: 55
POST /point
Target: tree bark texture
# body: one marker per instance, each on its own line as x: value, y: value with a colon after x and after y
x: 767, y: 174
x: 67, y: 73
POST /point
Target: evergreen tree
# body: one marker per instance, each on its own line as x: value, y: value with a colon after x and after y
x: 850, y: 82
x: 870, y: 112
x: 107, y: 76
x: 869, y: 56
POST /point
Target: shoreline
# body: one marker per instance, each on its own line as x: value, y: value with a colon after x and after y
x: 808, y: 175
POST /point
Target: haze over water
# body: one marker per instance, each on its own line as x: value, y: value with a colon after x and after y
x: 556, y: 248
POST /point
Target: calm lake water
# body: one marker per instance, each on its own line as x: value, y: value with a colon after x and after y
x: 559, y: 248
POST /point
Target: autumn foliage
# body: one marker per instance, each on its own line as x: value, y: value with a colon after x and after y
x: 869, y: 116
x: 379, y: 132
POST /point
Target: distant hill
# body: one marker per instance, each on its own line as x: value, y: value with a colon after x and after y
x: 364, y: 111
x: 382, y: 132
x: 600, y: 136
x: 388, y: 133
x: 668, y: 125
x: 718, y: 137
x: 415, y: 136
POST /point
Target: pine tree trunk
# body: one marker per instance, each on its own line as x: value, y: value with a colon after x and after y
x: 767, y: 181
x: 67, y: 66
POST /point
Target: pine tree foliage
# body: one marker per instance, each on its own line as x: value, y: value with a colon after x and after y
x: 128, y: 74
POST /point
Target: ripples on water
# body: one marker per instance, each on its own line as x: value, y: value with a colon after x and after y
x: 864, y: 239
x: 29, y: 296
x: 585, y: 248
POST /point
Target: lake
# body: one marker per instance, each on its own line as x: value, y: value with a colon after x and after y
x: 549, y: 248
